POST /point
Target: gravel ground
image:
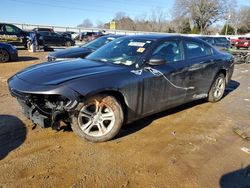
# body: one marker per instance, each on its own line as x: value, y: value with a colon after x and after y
x: 189, y: 146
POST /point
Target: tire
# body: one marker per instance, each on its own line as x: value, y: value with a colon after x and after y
x: 217, y: 89
x: 68, y: 44
x: 88, y: 121
x: 4, y: 56
x: 247, y: 60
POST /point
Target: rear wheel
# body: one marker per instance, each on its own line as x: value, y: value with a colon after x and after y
x: 98, y: 119
x: 217, y: 89
x: 4, y: 56
x: 68, y: 44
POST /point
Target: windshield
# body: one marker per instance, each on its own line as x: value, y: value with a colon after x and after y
x: 97, y: 43
x: 124, y: 51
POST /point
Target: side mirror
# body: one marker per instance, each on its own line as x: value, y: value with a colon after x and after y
x: 157, y: 60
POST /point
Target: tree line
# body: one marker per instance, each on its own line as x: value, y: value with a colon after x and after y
x: 187, y: 16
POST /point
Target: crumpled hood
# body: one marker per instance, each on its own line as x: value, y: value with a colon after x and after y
x: 52, y: 73
x: 73, y: 52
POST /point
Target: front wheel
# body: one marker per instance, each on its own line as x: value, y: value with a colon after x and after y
x: 4, y: 56
x: 217, y: 89
x: 68, y: 44
x: 98, y: 119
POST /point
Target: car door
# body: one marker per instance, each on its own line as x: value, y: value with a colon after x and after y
x: 165, y: 85
x: 57, y: 39
x: 45, y: 37
x: 201, y: 64
x: 13, y: 34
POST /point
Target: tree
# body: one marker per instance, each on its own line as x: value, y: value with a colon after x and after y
x: 158, y: 20
x: 229, y: 28
x: 86, y: 23
x: 181, y: 25
x: 245, y: 20
x: 203, y: 13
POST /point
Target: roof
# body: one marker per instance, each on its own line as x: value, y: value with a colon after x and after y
x: 154, y: 36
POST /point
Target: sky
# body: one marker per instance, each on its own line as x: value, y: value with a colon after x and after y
x: 73, y: 12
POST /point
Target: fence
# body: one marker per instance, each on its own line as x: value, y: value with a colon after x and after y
x: 25, y: 26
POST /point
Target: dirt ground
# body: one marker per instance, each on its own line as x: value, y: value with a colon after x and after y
x: 189, y: 146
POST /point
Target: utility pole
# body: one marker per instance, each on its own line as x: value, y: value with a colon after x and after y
x: 228, y: 18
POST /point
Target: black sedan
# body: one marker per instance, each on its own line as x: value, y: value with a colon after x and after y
x: 7, y: 53
x: 54, y: 39
x: 81, y: 51
x: 127, y: 79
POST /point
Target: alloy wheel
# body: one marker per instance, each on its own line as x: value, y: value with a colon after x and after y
x: 96, y: 119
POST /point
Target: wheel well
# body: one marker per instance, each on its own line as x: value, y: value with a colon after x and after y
x: 223, y: 71
x: 118, y: 96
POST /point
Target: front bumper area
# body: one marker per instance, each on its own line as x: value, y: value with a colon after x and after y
x: 33, y: 114
x: 43, y: 105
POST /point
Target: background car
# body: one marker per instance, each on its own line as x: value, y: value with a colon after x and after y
x: 43, y: 29
x: 124, y: 80
x: 88, y: 36
x: 242, y: 42
x: 221, y: 43
x: 54, y: 39
x: 7, y: 52
x: 11, y: 34
x: 81, y: 51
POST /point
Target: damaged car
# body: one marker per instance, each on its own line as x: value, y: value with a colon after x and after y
x: 125, y: 80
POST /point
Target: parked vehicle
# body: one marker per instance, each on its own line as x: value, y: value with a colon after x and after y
x: 221, y: 43
x: 126, y: 79
x: 242, y: 42
x: 70, y: 34
x: 11, y: 34
x: 88, y: 36
x: 54, y: 39
x: 43, y: 29
x: 7, y: 53
x: 81, y: 51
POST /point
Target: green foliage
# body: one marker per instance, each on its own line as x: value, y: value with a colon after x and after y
x: 195, y: 30
x: 230, y: 30
x: 186, y: 27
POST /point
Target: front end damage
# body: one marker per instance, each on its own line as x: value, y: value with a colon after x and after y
x: 46, y: 108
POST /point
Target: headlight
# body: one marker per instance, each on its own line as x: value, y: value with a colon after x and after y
x: 13, y: 47
x: 245, y: 43
x: 51, y: 58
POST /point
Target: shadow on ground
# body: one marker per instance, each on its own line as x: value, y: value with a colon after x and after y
x: 27, y: 58
x: 233, y: 85
x: 12, y: 134
x: 236, y: 179
x: 140, y: 124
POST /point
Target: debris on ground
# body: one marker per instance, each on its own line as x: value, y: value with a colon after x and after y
x: 173, y: 133
x: 242, y: 132
x: 246, y: 150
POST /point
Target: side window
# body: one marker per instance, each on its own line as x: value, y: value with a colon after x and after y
x: 170, y: 51
x: 11, y: 29
x: 196, y: 49
x: 54, y: 34
x: 1, y: 28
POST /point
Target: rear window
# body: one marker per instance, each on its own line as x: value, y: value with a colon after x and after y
x: 196, y: 49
